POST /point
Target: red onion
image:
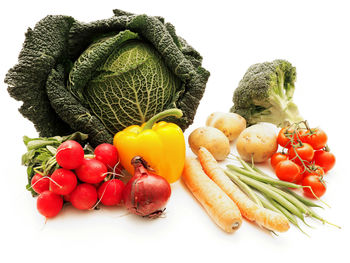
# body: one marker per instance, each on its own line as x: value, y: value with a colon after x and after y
x: 146, y: 193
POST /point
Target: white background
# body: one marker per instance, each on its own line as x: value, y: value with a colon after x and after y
x: 313, y: 35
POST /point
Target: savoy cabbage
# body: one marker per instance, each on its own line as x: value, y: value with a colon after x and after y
x: 100, y: 77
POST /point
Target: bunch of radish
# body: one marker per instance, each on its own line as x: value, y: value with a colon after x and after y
x: 88, y: 180
x: 304, y: 159
x: 81, y: 180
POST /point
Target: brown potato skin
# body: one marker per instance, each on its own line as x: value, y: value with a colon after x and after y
x: 231, y: 124
x: 258, y: 141
x: 214, y: 140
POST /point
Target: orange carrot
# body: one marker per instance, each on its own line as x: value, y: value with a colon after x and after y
x: 218, y: 205
x: 250, y: 210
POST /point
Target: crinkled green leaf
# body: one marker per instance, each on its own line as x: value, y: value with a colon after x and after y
x: 44, y: 47
x: 92, y: 58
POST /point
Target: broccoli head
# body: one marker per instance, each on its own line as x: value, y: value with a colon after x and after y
x: 265, y: 94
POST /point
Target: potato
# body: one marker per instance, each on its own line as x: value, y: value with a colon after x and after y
x: 231, y: 124
x: 212, y: 139
x: 257, y: 141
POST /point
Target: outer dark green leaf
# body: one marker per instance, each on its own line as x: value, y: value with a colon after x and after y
x: 44, y: 47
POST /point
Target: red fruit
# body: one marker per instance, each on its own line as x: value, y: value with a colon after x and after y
x: 288, y: 136
x: 317, y: 185
x: 276, y: 158
x: 313, y: 169
x: 40, y: 183
x: 107, y: 154
x: 304, y: 151
x: 84, y: 196
x: 70, y: 155
x: 49, y: 204
x: 63, y: 181
x: 324, y: 159
x: 287, y: 171
x: 317, y: 138
x: 110, y: 192
x: 91, y: 171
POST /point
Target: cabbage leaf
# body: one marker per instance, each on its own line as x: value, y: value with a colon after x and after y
x: 100, y: 77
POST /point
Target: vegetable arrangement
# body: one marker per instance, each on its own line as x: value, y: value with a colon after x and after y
x: 260, y: 198
x: 85, y: 180
x: 264, y: 95
x: 76, y: 177
x: 125, y: 88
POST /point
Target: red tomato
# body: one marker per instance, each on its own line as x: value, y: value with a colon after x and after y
x: 304, y: 151
x: 276, y: 158
x: 313, y: 169
x: 309, y: 169
x: 287, y: 170
x: 324, y: 159
x: 298, y: 179
x: 284, y: 137
x: 317, y: 138
x: 317, y: 185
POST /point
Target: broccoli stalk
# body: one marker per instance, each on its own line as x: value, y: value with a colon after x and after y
x: 265, y: 94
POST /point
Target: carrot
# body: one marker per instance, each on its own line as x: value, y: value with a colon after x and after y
x: 250, y: 210
x: 223, y: 211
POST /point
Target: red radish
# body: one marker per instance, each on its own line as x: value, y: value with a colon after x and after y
x: 70, y: 155
x: 107, y: 154
x: 146, y: 193
x: 84, y: 196
x: 110, y: 192
x: 49, y: 204
x: 91, y: 171
x: 63, y: 181
x: 40, y: 183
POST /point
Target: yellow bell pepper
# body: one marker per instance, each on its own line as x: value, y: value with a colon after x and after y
x: 161, y: 145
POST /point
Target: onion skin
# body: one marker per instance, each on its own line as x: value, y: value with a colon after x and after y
x: 146, y: 193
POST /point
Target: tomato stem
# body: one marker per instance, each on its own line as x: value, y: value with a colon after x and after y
x: 296, y: 142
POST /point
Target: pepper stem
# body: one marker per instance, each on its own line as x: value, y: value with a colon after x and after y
x: 170, y: 112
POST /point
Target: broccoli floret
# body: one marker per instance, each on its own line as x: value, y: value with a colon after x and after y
x: 265, y: 94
